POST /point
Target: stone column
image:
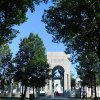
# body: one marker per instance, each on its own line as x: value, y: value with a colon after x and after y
x: 10, y: 90
x: 65, y: 82
x: 18, y: 89
x: 50, y: 88
x: 46, y: 90
x: 66, y: 85
x: 27, y: 92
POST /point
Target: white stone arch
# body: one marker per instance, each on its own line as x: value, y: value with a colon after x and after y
x: 58, y: 81
x: 59, y: 60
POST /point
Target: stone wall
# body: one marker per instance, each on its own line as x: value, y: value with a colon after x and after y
x: 10, y: 98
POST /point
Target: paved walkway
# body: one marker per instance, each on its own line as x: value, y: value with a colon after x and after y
x: 60, y: 98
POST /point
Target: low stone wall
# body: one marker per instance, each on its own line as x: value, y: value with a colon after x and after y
x: 11, y: 98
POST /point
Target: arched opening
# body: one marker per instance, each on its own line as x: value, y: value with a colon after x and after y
x: 58, y: 80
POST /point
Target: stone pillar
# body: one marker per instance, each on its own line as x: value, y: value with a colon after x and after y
x: 10, y: 90
x: 50, y: 88
x: 18, y: 90
x: 27, y: 92
x: 65, y: 82
x: 99, y: 91
x: 46, y: 89
x: 66, y: 85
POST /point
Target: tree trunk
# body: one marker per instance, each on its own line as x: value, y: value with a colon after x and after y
x: 9, y: 90
x: 83, y: 95
x: 95, y: 84
x: 25, y: 90
x: 22, y: 95
x: 91, y: 87
x: 22, y: 89
x: 3, y: 90
x: 98, y: 52
x: 98, y: 47
x: 37, y: 92
x: 80, y: 91
x: 33, y: 93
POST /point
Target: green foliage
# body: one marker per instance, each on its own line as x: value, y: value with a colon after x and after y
x: 31, y: 62
x: 41, y: 74
x: 6, y: 66
x: 76, y: 24
x: 72, y: 80
x: 13, y: 12
x: 88, y: 67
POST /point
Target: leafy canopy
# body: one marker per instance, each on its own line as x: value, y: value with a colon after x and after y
x: 6, y: 66
x: 88, y: 67
x: 72, y: 80
x: 76, y: 24
x: 31, y: 61
x: 13, y: 12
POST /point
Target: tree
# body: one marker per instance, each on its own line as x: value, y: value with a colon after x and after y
x: 31, y: 63
x: 6, y: 67
x: 76, y: 24
x: 13, y: 12
x: 72, y: 81
x: 40, y: 76
x: 88, y: 70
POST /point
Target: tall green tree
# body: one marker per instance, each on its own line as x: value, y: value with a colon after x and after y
x: 75, y: 23
x: 31, y: 63
x: 13, y: 12
x: 6, y: 67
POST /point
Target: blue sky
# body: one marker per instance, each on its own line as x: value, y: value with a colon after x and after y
x: 34, y: 25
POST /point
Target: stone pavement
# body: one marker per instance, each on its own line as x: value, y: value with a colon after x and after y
x: 60, y: 98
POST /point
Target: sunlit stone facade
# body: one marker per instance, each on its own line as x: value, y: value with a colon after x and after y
x: 59, y: 60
